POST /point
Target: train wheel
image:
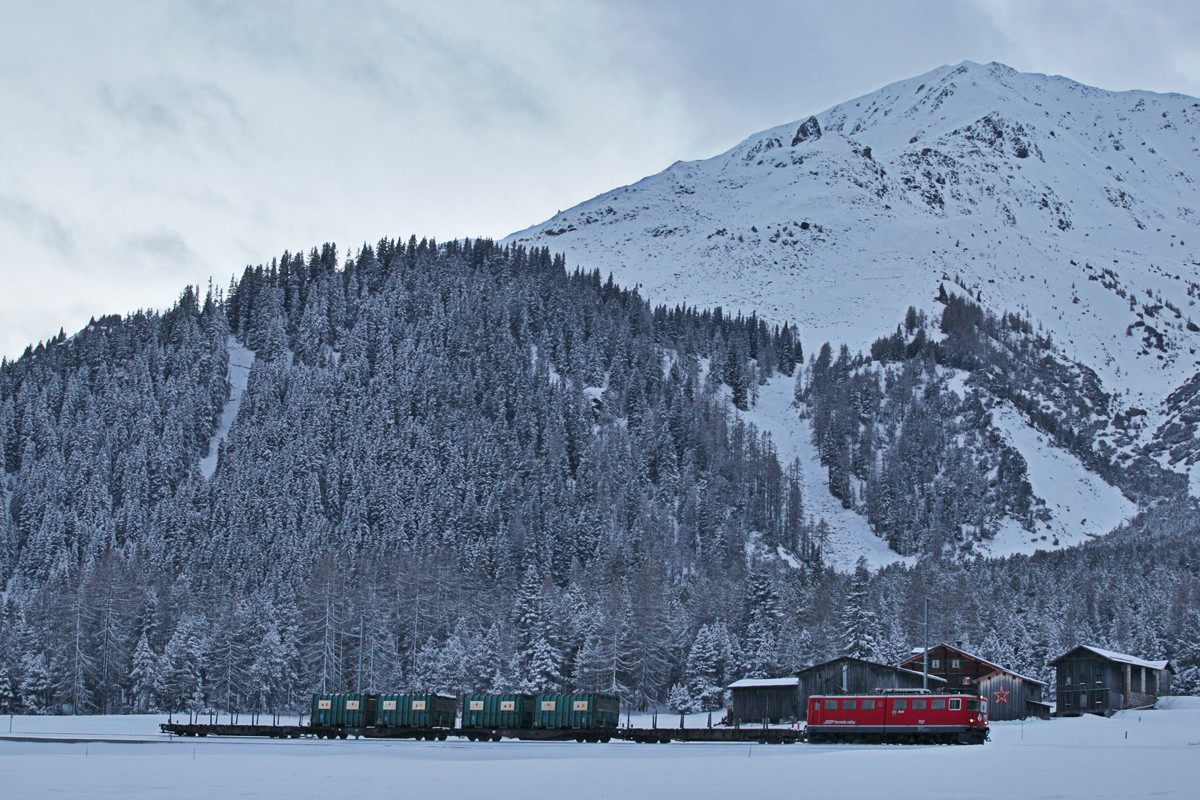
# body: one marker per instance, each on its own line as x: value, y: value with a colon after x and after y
x: 495, y: 737
x: 579, y: 739
x: 343, y: 734
x: 442, y: 737
x: 605, y: 739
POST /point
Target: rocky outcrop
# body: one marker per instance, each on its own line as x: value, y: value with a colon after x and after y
x: 809, y: 129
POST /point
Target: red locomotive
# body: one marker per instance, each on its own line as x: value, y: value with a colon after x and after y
x: 909, y: 717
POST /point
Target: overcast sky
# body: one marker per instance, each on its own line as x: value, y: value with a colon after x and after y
x: 146, y: 145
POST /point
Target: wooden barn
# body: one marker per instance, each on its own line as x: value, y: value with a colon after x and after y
x: 1010, y: 695
x: 1091, y: 680
x: 848, y: 675
x: 772, y: 699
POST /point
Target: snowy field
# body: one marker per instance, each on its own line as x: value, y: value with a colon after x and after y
x: 1132, y: 755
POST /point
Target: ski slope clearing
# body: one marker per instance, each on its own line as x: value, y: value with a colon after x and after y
x: 241, y: 359
x: 1132, y: 755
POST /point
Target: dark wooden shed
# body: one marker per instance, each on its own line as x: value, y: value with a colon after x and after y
x: 1092, y: 680
x: 1010, y: 695
x: 848, y: 675
x: 772, y: 699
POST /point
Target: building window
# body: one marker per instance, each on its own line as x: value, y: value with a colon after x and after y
x: 956, y: 663
x: 935, y: 663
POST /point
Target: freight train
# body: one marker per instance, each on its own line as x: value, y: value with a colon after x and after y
x: 891, y: 717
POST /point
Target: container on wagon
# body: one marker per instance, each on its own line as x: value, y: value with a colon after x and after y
x: 512, y: 711
x: 576, y: 711
x: 416, y: 711
x: 341, y: 710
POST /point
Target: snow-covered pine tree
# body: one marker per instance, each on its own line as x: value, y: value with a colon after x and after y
x: 859, y: 630
x: 764, y: 615
x: 537, y: 654
x: 146, y: 683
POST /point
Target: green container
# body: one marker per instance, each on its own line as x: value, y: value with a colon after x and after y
x: 512, y: 711
x: 576, y: 711
x: 416, y: 711
x: 343, y: 710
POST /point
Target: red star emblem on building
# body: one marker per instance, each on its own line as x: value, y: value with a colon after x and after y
x: 1001, y: 695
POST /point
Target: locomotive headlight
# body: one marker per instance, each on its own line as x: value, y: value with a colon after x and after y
x: 972, y: 719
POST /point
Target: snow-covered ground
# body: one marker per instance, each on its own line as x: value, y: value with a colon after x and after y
x: 1132, y: 755
x: 1081, y: 503
x: 241, y: 360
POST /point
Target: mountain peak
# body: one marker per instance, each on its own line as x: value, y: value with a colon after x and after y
x: 1074, y: 207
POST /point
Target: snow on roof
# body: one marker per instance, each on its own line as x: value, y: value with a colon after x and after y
x: 1120, y: 658
x: 997, y: 667
x: 749, y: 683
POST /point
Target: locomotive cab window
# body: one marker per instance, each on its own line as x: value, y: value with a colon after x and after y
x: 938, y: 703
x: 972, y: 705
x: 849, y: 705
x: 919, y: 704
x: 831, y: 704
x: 956, y: 704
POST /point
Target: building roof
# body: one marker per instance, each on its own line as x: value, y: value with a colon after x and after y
x: 920, y: 651
x: 918, y: 673
x: 1120, y: 658
x: 759, y: 683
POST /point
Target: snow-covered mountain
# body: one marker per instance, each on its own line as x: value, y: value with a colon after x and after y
x: 1075, y: 207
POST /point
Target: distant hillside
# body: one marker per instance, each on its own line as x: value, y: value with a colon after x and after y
x: 1072, y: 210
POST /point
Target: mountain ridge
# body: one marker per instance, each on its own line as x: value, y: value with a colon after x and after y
x: 1072, y: 207
x: 908, y: 179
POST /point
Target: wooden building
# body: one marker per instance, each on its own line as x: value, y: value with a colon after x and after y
x: 772, y: 699
x: 1091, y: 680
x: 1010, y: 695
x: 848, y: 675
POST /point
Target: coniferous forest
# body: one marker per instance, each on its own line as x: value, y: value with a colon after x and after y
x: 467, y: 467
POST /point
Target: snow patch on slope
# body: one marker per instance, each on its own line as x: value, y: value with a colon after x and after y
x: 850, y: 535
x: 241, y: 359
x: 1082, y: 505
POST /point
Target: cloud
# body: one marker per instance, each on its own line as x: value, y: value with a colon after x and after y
x: 1108, y: 43
x: 28, y: 221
